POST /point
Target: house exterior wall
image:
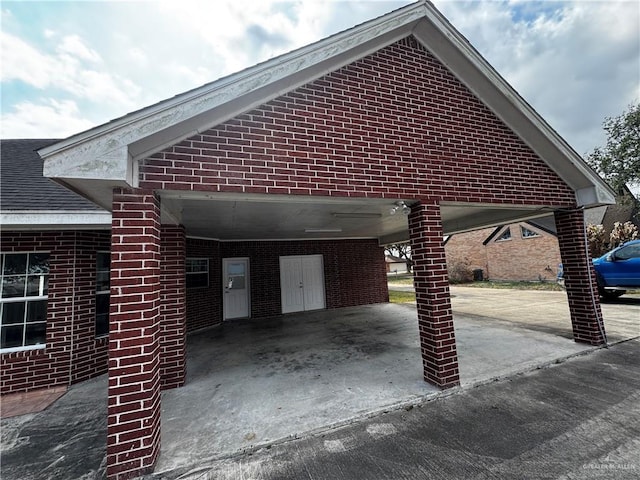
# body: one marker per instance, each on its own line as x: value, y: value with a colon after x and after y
x: 72, y: 351
x: 204, y: 304
x: 354, y: 273
x: 517, y: 259
x: 467, y: 249
x: 395, y: 124
x: 529, y: 259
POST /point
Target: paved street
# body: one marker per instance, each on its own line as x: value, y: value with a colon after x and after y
x: 577, y: 420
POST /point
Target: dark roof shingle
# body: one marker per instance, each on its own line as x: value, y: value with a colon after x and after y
x: 22, y: 186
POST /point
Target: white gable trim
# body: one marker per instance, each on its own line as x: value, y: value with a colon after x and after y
x: 55, y: 220
x: 109, y: 153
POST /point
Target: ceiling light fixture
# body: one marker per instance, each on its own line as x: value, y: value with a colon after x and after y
x: 400, y: 207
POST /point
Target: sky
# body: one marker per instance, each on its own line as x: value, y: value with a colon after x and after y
x: 69, y: 66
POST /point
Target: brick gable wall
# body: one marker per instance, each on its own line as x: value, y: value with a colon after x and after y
x: 395, y: 124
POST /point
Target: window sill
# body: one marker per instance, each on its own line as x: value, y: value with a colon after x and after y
x: 23, y: 349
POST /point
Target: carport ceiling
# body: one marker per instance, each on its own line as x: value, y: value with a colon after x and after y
x: 273, y: 217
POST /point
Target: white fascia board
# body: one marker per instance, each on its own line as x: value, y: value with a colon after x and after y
x: 456, y: 53
x: 103, y: 152
x: 54, y: 220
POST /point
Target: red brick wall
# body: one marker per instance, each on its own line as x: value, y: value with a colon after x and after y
x: 204, y: 304
x: 433, y: 302
x: 133, y: 421
x: 72, y: 353
x: 354, y: 272
x: 173, y: 325
x: 394, y: 124
x: 580, y: 278
x: 89, y: 353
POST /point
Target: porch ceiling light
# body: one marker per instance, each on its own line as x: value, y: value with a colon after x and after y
x: 400, y: 207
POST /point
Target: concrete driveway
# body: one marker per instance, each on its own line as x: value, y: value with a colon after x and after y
x: 542, y: 311
x: 252, y: 384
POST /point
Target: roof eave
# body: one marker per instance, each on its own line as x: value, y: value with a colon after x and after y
x: 106, y: 148
x: 108, y: 153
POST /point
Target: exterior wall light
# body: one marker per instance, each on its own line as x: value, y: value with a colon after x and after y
x: 400, y: 207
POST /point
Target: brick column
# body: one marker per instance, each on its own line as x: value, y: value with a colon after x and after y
x: 435, y: 318
x: 579, y: 279
x: 133, y: 424
x: 173, y: 311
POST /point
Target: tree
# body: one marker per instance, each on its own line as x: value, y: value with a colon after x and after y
x: 622, y: 233
x: 618, y: 161
x: 599, y: 244
x: 400, y: 250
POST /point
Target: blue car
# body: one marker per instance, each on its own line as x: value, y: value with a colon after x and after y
x: 618, y: 270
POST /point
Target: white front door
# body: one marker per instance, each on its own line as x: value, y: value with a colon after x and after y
x: 235, y: 284
x: 302, y: 283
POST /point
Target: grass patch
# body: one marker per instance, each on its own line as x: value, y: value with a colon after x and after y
x: 402, y: 279
x: 401, y: 297
x: 546, y: 286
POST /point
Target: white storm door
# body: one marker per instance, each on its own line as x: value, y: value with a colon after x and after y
x: 313, y: 282
x: 235, y: 284
x: 291, y: 286
x: 302, y: 283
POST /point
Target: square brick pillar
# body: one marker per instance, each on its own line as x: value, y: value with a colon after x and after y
x: 133, y: 422
x: 435, y: 318
x: 579, y: 278
x: 173, y: 311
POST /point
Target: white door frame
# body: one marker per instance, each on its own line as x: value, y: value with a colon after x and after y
x: 243, y: 295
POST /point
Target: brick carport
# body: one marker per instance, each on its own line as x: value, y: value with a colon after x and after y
x: 399, y: 109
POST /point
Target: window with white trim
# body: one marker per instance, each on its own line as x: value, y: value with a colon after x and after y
x: 197, y: 270
x: 24, y: 279
x: 103, y: 287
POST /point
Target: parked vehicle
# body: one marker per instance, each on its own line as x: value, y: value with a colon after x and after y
x: 616, y: 271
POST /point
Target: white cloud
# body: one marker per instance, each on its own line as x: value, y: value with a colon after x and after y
x: 48, y: 119
x: 67, y: 69
x: 22, y: 62
x: 574, y: 62
x: 76, y: 48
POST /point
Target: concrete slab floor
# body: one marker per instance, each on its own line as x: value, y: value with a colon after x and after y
x: 251, y: 383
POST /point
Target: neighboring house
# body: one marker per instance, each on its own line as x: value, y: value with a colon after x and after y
x: 269, y: 191
x: 522, y: 251
x: 395, y: 264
